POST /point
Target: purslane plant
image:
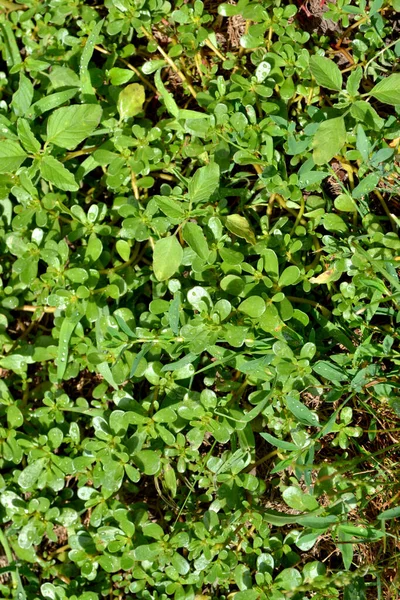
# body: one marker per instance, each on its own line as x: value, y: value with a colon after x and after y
x: 199, y: 299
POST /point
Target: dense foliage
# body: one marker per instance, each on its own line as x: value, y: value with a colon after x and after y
x: 199, y: 299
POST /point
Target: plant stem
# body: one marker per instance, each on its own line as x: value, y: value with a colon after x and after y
x: 131, y: 67
x: 327, y: 313
x: 386, y: 209
x: 123, y: 265
x: 8, y: 554
x: 214, y: 49
x: 171, y: 63
x: 10, y: 6
x: 393, y: 43
x: 31, y: 308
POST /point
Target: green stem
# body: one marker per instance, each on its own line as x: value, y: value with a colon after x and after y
x: 123, y: 265
x: 7, y: 551
x: 393, y: 43
x: 327, y: 313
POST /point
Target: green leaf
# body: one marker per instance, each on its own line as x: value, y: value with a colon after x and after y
x: 362, y: 532
x: 10, y: 46
x: 287, y: 90
x: 311, y: 178
x: 181, y: 565
x: 290, y: 276
x: 391, y: 513
x: 147, y: 552
x: 62, y: 77
x: 167, y: 257
x: 170, y: 479
x: 15, y: 362
x: 345, y: 203
x: 364, y: 112
x: 228, y: 10
x: 55, y: 172
x: 362, y: 144
x: 131, y: 100
x: 254, y: 412
x: 119, y: 76
x: 104, y: 370
x: 301, y: 412
x: 123, y: 249
x: 330, y: 371
x: 26, y: 137
x: 240, y: 226
x: 328, y: 140
x: 77, y: 275
x: 253, y: 307
x: 388, y: 89
x: 326, y: 73
x: 50, y: 102
x: 354, y: 80
x: 94, y: 248
x: 246, y: 595
x: 11, y: 156
x: 193, y: 235
x: 69, y: 126
x: 86, y: 84
x: 279, y: 443
x: 148, y: 461
x: 366, y: 185
x: 168, y: 98
x: 204, y: 183
x: 278, y: 519
x: 66, y: 330
x: 334, y: 223
x: 171, y: 207
x: 110, y: 563
x: 346, y: 549
x: 22, y: 98
x: 316, y: 522
x: 250, y: 41
x: 15, y: 417
x: 288, y: 579
x: 271, y: 265
x: 153, y: 530
x: 143, y: 351
x: 297, y: 499
x: 232, y: 284
x: 31, y: 473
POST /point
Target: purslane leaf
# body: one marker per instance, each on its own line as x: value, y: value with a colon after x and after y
x: 168, y: 98
x: 131, y: 100
x: 167, y: 257
x: 240, y: 226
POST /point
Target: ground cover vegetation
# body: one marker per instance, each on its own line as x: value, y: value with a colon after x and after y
x: 199, y: 301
